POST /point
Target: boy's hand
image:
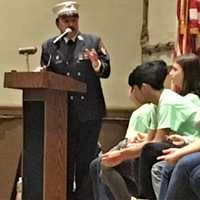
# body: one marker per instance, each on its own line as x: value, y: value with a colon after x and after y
x: 169, y: 155
x: 140, y: 137
x: 177, y: 140
x: 111, y: 158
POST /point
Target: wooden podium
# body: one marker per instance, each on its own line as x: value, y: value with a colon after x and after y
x: 44, y: 131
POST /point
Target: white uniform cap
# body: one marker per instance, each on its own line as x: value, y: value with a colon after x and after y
x: 69, y: 8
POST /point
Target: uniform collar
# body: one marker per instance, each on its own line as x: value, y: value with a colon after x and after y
x: 77, y: 36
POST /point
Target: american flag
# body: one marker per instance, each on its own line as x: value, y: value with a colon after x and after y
x: 188, y: 27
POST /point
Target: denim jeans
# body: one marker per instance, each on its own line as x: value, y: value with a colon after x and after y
x: 156, y: 176
x: 100, y: 190
x: 182, y: 181
x: 121, y: 180
x: 195, y: 180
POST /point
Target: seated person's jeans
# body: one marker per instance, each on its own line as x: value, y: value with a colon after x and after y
x: 156, y: 176
x: 121, y: 179
x: 182, y: 181
x: 100, y: 190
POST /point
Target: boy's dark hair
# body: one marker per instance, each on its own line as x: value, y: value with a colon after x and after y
x: 152, y: 73
x: 190, y: 64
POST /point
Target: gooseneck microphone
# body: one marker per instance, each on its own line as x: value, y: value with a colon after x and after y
x: 67, y: 30
x: 27, y: 50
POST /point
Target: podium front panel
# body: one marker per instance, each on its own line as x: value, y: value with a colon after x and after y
x: 33, y: 112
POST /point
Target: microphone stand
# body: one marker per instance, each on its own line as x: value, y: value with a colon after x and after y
x: 27, y: 62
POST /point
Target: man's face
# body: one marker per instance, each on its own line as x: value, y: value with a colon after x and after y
x: 71, y: 22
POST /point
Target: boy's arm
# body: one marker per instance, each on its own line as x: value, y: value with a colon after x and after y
x: 150, y: 135
x: 113, y: 158
x: 132, y: 151
x: 191, y: 148
x: 161, y: 135
x: 172, y: 156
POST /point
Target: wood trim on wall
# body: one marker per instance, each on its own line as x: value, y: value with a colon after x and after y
x: 10, y: 112
x: 112, y: 114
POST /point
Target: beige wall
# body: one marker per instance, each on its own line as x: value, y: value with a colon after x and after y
x: 118, y: 22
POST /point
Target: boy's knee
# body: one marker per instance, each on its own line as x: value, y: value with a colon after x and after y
x: 155, y: 147
x: 184, y: 162
x: 95, y: 166
x: 105, y: 174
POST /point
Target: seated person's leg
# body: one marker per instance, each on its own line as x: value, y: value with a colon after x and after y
x: 156, y: 176
x: 179, y: 185
x: 166, y: 175
x: 100, y: 190
x: 195, y: 180
x: 120, y: 180
x: 148, y: 157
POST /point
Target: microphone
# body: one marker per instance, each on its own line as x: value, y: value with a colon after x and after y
x: 67, y: 30
x: 27, y: 50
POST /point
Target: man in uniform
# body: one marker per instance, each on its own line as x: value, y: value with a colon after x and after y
x: 84, y: 58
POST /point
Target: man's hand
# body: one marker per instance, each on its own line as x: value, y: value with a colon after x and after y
x: 93, y: 57
x: 39, y: 69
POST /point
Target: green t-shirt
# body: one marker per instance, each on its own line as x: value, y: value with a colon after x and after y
x: 193, y: 98
x: 142, y: 120
x: 178, y: 113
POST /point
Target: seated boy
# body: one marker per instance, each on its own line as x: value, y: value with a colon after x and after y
x: 141, y: 121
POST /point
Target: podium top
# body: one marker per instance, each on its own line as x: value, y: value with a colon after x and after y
x: 42, y: 80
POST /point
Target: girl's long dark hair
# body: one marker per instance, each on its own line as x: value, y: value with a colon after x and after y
x: 190, y: 64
